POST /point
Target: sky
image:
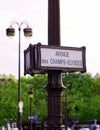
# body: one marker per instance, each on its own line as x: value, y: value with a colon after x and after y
x: 79, y: 23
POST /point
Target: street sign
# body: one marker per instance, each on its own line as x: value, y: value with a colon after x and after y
x: 61, y: 58
x: 44, y: 58
x: 31, y: 60
x: 28, y: 59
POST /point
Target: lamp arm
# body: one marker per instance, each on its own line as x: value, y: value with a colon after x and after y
x: 24, y: 22
x: 14, y: 22
x: 19, y: 25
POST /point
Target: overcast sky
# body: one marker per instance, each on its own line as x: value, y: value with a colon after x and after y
x: 80, y: 26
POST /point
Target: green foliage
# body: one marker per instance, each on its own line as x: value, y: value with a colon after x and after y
x: 80, y: 98
x: 37, y: 84
x: 9, y: 98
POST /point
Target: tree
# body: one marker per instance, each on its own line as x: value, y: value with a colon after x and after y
x: 79, y: 96
x: 37, y: 84
x: 9, y: 98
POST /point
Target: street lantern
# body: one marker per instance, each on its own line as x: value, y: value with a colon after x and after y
x: 30, y: 93
x: 10, y: 32
x: 30, y: 96
x: 27, y: 32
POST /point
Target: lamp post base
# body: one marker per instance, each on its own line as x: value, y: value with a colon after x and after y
x: 54, y: 89
x: 19, y: 123
x: 30, y: 127
x: 62, y: 127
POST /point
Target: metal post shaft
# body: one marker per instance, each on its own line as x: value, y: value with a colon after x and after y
x: 54, y: 86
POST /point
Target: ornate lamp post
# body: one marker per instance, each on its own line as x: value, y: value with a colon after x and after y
x: 30, y: 96
x: 54, y: 86
x: 10, y: 32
